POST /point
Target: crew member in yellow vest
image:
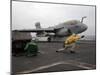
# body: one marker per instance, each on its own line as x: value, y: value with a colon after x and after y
x: 70, y: 42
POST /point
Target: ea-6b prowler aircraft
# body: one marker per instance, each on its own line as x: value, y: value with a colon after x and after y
x: 59, y: 30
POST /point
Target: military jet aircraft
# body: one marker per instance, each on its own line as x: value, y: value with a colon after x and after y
x: 21, y: 37
x: 60, y: 30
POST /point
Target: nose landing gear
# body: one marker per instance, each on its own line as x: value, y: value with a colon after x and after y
x: 49, y: 39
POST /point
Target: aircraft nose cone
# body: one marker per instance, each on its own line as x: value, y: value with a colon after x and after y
x: 84, y: 27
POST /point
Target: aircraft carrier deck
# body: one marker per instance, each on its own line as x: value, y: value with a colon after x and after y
x: 51, y: 61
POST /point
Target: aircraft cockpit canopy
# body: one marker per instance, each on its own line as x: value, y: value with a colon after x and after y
x: 71, y: 22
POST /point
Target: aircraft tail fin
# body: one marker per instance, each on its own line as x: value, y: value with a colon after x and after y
x: 37, y: 25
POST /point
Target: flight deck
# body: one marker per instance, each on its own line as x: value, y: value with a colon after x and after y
x: 48, y: 60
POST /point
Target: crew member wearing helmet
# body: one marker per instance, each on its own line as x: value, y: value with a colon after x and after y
x: 70, y: 42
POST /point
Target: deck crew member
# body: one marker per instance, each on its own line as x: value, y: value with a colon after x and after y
x: 70, y: 42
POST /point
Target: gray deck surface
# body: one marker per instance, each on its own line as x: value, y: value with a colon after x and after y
x: 51, y: 61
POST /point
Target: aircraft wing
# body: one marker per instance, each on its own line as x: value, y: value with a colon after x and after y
x: 39, y: 30
x: 35, y: 30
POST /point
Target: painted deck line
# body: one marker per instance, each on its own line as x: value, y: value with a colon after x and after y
x: 42, y: 67
x: 71, y: 62
x: 81, y: 64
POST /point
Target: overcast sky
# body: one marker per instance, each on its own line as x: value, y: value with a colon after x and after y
x: 26, y: 14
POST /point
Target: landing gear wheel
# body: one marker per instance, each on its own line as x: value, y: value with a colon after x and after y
x: 57, y: 51
x: 49, y: 39
x: 72, y: 51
